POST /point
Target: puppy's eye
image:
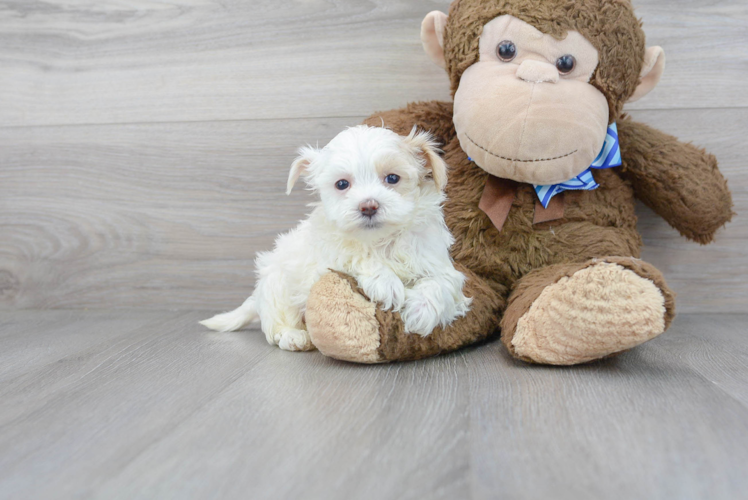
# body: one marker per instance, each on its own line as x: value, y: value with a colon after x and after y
x: 506, y: 51
x: 566, y: 64
x: 342, y: 185
x: 392, y: 179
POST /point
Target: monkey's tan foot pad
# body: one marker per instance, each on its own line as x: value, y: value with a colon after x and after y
x: 599, y: 310
x: 342, y: 323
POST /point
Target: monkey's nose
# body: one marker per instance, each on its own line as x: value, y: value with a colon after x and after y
x: 369, y: 208
x: 533, y: 71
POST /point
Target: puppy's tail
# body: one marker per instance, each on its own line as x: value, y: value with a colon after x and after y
x: 234, y: 320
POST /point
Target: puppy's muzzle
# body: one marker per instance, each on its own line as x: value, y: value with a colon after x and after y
x: 369, y: 208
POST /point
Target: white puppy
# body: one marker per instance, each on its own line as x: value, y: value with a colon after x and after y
x: 379, y: 220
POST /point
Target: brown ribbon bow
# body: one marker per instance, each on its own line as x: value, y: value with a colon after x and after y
x: 499, y: 195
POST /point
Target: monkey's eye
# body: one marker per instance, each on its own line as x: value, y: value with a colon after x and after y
x: 392, y: 179
x: 566, y: 64
x: 342, y: 184
x: 506, y: 51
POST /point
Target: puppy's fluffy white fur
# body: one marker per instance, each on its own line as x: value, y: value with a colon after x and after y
x: 400, y: 255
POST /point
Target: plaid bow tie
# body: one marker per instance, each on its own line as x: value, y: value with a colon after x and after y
x: 609, y: 157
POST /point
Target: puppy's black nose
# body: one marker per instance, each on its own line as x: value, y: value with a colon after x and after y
x: 369, y: 208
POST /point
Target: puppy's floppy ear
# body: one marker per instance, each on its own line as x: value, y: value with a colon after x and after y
x: 427, y: 149
x: 300, y: 166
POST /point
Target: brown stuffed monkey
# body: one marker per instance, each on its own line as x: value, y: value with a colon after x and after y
x: 544, y: 171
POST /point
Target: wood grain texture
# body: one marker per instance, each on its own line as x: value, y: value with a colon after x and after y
x: 715, y: 348
x: 630, y: 427
x: 160, y: 408
x: 141, y: 215
x: 172, y: 215
x: 144, y: 148
x: 131, y: 61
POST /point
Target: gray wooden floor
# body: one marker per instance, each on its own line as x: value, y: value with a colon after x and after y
x: 118, y: 404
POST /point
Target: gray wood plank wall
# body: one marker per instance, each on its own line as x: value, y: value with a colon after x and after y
x: 144, y: 145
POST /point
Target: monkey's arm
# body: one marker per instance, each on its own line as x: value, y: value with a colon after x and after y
x: 679, y: 181
x: 433, y: 116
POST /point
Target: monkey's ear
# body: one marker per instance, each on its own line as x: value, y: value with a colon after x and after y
x: 300, y: 166
x: 424, y: 145
x: 432, y: 36
x: 654, y: 67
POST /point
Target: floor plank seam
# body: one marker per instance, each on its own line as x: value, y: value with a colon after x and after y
x: 310, y: 118
x: 698, y: 373
x: 187, y: 416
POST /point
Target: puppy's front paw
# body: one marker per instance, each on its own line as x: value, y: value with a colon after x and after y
x: 290, y: 339
x: 420, y: 315
x: 387, y: 289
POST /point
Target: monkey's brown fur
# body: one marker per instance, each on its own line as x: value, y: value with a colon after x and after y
x: 678, y: 181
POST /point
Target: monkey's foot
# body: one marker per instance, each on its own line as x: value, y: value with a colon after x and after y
x: 571, y: 314
x: 344, y: 324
